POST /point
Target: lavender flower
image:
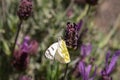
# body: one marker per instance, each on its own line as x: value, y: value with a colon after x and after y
x: 109, y: 67
x: 24, y: 77
x: 86, y: 50
x: 30, y: 46
x: 71, y: 34
x: 25, y: 9
x: 21, y: 55
x: 85, y: 71
x: 81, y: 64
x: 20, y: 59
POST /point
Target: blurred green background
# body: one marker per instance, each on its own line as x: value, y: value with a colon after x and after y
x: 47, y: 23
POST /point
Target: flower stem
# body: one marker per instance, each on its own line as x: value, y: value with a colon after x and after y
x: 17, y: 34
x: 84, y: 13
x: 65, y: 71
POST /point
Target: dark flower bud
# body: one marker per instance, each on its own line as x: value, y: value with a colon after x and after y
x: 25, y: 9
x: 20, y: 60
x: 92, y: 2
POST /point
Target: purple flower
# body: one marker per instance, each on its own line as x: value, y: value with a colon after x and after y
x: 20, y: 59
x: 86, y: 50
x: 22, y: 54
x: 85, y: 71
x: 109, y: 67
x: 25, y: 9
x: 31, y: 46
x: 24, y: 78
x: 71, y: 34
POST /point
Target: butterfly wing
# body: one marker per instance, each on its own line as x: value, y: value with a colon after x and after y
x: 62, y: 54
x: 50, y: 52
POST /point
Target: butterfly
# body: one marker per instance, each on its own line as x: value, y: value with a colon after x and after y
x: 58, y: 51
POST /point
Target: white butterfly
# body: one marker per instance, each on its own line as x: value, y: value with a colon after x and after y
x: 58, y: 51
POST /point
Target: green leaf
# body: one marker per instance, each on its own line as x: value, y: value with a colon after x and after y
x: 6, y: 48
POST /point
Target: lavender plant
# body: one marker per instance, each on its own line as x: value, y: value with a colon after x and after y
x: 48, y: 23
x: 109, y: 65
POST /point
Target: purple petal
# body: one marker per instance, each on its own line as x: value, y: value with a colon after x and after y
x: 86, y: 50
x: 26, y: 39
x: 113, y: 62
x: 81, y: 68
x: 79, y: 25
x: 87, y: 71
x: 25, y: 43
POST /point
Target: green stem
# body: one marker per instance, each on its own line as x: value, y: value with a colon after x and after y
x: 17, y: 34
x: 64, y: 78
x: 84, y: 13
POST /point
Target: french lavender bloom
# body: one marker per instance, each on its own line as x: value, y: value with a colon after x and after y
x: 71, y: 34
x: 86, y: 50
x: 24, y: 77
x: 20, y: 59
x: 30, y: 46
x: 109, y: 67
x: 21, y: 55
x: 85, y: 71
x: 25, y: 9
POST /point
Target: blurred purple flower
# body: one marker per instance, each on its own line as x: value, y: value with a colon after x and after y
x: 21, y: 55
x: 85, y: 71
x: 86, y: 50
x: 31, y: 46
x: 71, y: 34
x: 24, y: 78
x: 20, y: 59
x: 25, y: 9
x: 109, y: 67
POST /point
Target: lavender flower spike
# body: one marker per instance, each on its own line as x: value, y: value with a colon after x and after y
x: 113, y: 62
x: 25, y: 9
x: 20, y: 59
x: 85, y: 71
x: 72, y: 34
x: 86, y: 50
x: 21, y: 55
x: 109, y: 67
x: 30, y: 46
x: 79, y: 25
